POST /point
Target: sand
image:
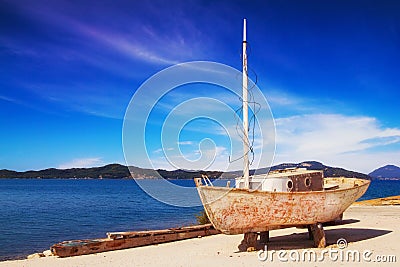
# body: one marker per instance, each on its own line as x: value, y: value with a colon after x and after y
x: 393, y: 200
x: 366, y: 228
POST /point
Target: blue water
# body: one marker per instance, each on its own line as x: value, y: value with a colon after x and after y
x: 384, y: 188
x: 36, y: 214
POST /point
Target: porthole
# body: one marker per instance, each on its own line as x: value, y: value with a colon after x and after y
x: 307, y: 182
x: 289, y: 185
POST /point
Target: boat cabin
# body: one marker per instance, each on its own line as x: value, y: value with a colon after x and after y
x: 285, y: 180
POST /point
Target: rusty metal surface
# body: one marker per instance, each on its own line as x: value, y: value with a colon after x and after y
x: 236, y: 211
x: 307, y: 182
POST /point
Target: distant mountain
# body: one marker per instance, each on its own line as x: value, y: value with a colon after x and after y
x: 111, y: 171
x: 386, y: 172
x: 114, y: 171
x: 107, y: 171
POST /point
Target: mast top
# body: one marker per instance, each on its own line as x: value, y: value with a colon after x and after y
x: 244, y: 30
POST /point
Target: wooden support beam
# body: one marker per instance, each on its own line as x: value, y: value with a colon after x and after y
x: 310, y: 235
x: 264, y: 237
x: 249, y: 242
x: 318, y: 234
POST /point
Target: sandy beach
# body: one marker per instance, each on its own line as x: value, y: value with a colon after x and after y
x: 372, y: 231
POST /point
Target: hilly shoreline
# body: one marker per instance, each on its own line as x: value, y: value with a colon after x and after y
x: 118, y: 171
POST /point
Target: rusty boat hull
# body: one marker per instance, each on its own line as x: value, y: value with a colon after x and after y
x: 237, y: 211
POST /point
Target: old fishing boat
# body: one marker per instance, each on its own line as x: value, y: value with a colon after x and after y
x: 282, y: 198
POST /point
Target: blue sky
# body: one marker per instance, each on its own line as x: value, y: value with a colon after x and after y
x: 329, y: 70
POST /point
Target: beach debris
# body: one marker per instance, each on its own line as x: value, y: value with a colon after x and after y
x: 35, y: 256
x: 47, y: 253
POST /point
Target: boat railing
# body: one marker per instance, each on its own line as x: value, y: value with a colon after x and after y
x: 199, y: 181
x: 207, y: 181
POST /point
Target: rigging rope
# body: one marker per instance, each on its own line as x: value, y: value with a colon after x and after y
x: 255, y: 108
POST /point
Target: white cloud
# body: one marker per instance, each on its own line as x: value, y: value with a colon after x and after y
x: 185, y: 143
x: 358, y: 143
x: 353, y: 142
x: 81, y: 163
x: 159, y: 150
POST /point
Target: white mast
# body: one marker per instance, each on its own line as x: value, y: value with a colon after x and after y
x: 246, y: 146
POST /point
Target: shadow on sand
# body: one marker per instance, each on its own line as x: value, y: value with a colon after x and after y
x: 301, y: 240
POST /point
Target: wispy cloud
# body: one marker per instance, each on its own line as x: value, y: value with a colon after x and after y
x: 159, y: 150
x: 96, y: 100
x: 185, y: 143
x: 81, y: 163
x: 27, y: 103
x: 355, y: 142
x: 84, y: 43
x: 280, y: 98
x: 126, y: 45
x: 8, y: 99
x: 289, y: 103
x: 142, y: 42
x: 347, y: 141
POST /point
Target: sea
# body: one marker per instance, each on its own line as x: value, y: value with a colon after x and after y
x: 37, y: 213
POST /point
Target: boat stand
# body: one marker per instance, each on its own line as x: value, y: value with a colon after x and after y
x: 315, y: 232
x: 249, y: 242
x: 264, y: 237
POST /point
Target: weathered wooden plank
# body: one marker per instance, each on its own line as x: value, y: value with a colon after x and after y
x: 125, y: 240
x: 119, y: 235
